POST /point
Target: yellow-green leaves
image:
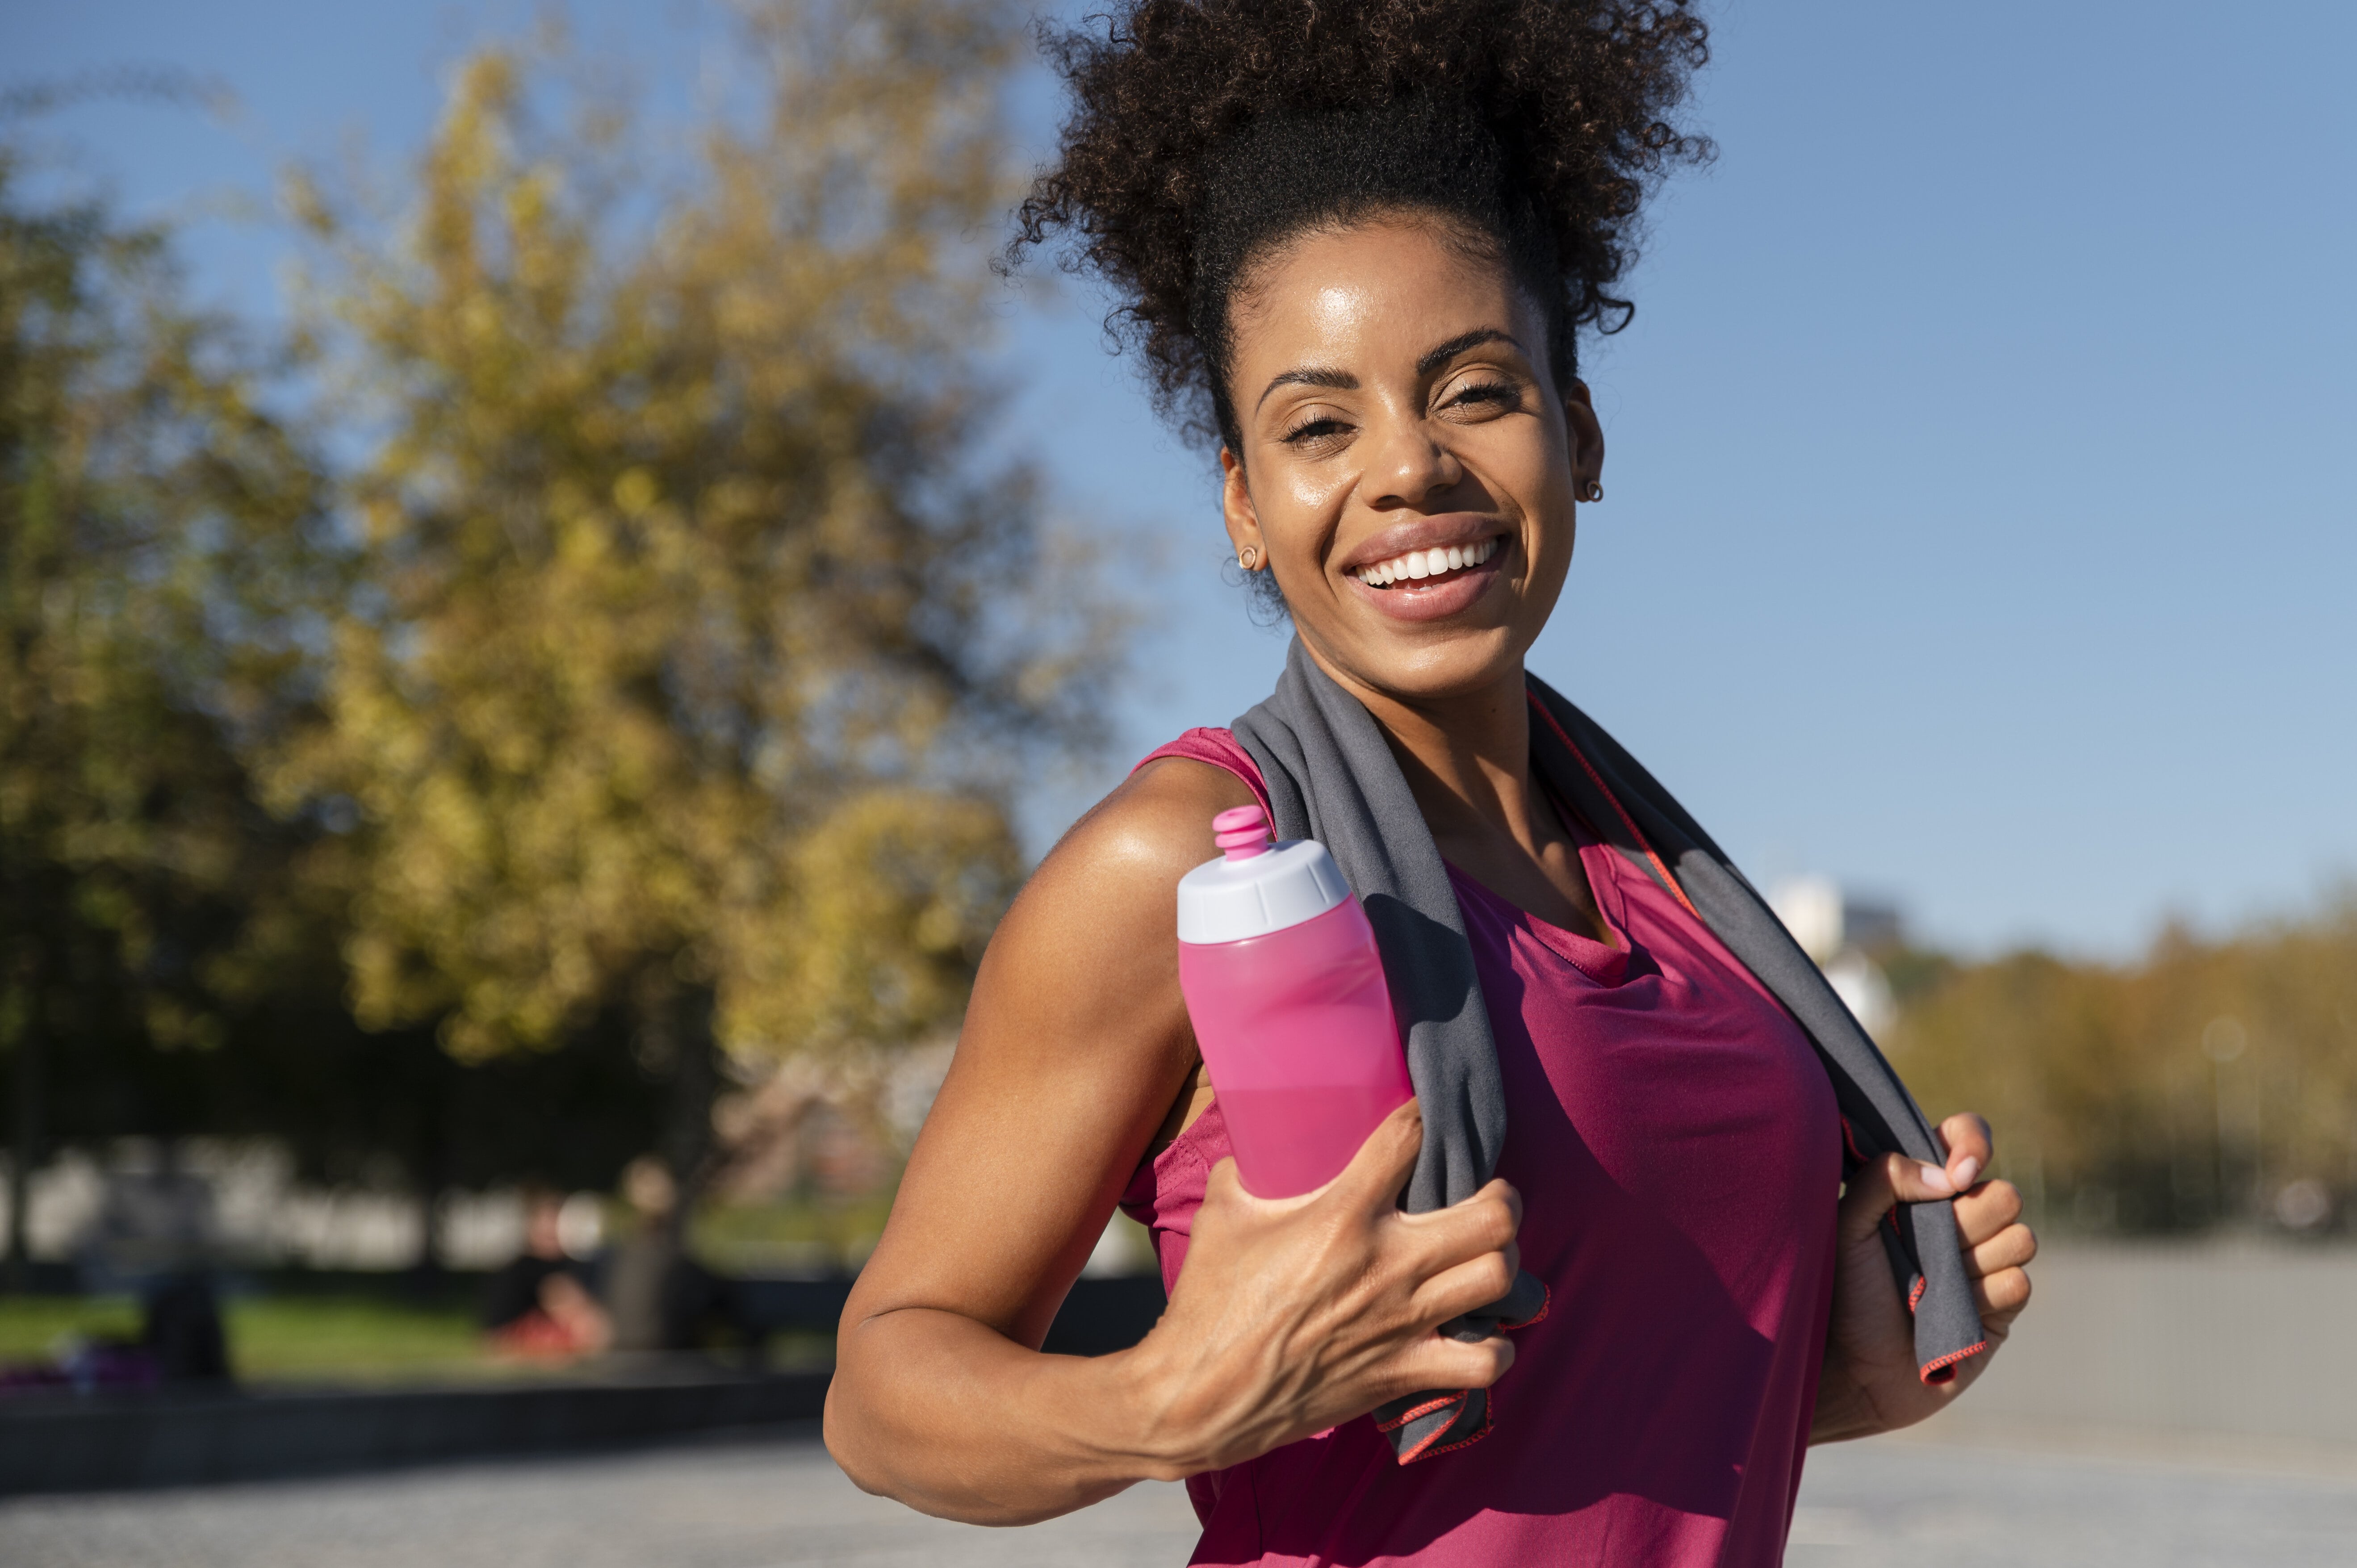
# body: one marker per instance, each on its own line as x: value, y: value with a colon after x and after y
x: 697, y: 645
x: 160, y: 540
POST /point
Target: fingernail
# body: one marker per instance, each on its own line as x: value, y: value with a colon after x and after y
x: 1966, y: 1169
x: 1937, y: 1179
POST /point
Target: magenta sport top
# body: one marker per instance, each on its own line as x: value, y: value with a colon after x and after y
x: 1678, y: 1152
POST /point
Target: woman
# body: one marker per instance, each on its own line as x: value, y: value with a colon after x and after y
x: 1359, y: 244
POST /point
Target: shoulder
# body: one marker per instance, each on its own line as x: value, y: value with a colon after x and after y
x: 1150, y: 831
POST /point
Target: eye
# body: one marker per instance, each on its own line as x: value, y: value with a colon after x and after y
x: 1314, y: 431
x: 1485, y: 394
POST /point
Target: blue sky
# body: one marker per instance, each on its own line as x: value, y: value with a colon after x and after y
x: 1976, y: 529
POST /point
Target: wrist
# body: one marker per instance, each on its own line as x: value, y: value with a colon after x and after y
x: 1843, y: 1409
x: 1163, y: 1434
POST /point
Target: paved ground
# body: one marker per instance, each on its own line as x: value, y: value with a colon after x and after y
x: 1939, y: 1506
x: 777, y: 1500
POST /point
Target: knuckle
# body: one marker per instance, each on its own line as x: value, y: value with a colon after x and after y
x: 1489, y: 1362
x: 2004, y: 1198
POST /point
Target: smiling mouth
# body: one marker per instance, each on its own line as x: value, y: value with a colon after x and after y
x: 1425, y: 566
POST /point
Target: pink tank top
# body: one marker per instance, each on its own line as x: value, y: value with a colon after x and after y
x: 1678, y: 1152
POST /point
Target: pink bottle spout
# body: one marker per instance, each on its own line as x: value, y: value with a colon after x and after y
x: 1241, y: 831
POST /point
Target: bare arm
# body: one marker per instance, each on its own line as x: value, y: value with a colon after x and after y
x: 1292, y: 1315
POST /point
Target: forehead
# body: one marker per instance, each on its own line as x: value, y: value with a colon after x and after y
x: 1370, y: 292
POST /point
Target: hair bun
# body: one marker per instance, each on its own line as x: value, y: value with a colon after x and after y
x: 1201, y: 129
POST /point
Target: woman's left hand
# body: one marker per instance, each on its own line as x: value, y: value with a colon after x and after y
x: 1870, y: 1381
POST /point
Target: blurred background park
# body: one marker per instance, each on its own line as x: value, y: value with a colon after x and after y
x: 549, y: 594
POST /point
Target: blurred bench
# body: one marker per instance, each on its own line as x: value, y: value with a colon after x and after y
x: 64, y: 1442
x: 1100, y: 1316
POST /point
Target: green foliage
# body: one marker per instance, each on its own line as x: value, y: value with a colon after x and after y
x: 698, y: 654
x: 159, y: 542
x: 664, y: 660
x: 2194, y: 1086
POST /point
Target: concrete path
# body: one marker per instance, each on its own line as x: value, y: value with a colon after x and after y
x: 755, y: 1503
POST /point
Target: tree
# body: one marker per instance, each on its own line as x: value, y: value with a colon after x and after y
x: 160, y: 534
x: 2212, y: 1082
x: 700, y: 652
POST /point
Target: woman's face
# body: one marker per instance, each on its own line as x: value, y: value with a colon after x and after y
x: 1393, y: 399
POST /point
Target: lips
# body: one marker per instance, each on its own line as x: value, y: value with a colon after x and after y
x: 1433, y: 583
x: 1419, y: 565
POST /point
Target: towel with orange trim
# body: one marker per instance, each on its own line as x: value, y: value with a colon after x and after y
x: 1331, y: 777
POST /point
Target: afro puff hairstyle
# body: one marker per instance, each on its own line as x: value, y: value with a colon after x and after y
x: 1204, y: 133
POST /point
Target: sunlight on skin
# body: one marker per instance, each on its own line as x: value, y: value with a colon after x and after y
x: 1333, y: 478
x: 1394, y: 398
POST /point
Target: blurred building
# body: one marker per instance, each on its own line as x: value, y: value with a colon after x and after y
x: 1849, y: 937
x: 139, y: 1207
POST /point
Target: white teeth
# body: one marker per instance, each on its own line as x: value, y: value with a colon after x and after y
x: 1417, y: 563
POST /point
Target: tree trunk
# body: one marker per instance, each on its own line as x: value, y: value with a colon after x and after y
x: 430, y: 1170
x: 25, y: 1160
x: 685, y: 1020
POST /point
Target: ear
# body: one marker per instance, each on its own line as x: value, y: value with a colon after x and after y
x: 1236, y: 505
x: 1587, y: 437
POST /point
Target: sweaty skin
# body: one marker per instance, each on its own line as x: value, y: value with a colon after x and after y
x: 1393, y: 400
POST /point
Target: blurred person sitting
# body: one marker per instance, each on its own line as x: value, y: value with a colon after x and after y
x: 660, y: 1298
x: 537, y: 1303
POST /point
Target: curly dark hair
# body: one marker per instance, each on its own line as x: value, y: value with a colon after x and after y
x: 1205, y: 132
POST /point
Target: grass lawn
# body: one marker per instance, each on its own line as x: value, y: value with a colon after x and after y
x: 293, y: 1338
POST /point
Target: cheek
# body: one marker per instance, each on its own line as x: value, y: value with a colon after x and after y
x: 1302, y: 506
x: 1534, y: 476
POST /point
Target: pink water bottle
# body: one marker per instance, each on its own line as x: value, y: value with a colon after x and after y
x: 1285, y: 988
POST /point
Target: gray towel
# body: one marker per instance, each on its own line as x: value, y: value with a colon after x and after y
x: 1330, y: 777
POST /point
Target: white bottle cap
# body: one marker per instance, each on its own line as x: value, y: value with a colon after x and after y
x: 1256, y: 887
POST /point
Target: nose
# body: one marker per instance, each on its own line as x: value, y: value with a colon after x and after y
x: 1408, y: 466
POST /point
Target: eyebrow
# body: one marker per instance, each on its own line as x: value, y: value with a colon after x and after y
x: 1433, y: 359
x: 1428, y: 361
x: 1340, y: 380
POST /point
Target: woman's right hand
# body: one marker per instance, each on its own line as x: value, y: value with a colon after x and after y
x: 1292, y: 1316
x: 1295, y: 1314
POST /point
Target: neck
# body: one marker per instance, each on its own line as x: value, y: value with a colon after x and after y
x: 1466, y: 757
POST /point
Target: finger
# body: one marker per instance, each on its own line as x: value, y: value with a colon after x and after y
x: 1894, y: 1178
x: 1378, y: 1173
x: 1467, y: 1287
x: 1866, y: 1200
x: 2009, y: 1249
x: 1433, y: 1362
x: 1442, y: 1238
x: 2001, y: 1296
x: 1970, y: 1146
x: 1985, y: 1210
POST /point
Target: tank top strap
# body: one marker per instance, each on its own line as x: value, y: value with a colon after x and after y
x: 1221, y: 748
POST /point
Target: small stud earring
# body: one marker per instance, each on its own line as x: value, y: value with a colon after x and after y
x: 1591, y: 491
x: 1248, y: 557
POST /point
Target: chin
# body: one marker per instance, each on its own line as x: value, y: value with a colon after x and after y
x: 1440, y: 661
